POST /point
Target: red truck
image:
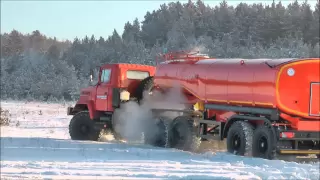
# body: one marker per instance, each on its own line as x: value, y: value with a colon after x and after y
x: 262, y: 107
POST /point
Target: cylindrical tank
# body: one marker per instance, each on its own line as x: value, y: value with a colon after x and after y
x: 292, y: 85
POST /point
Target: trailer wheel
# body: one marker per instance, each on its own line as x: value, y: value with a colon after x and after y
x: 145, y: 85
x: 263, y: 145
x: 182, y: 134
x: 239, y: 138
x: 81, y: 127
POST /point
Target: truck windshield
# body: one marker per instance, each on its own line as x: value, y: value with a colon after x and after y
x: 134, y: 74
x: 105, y: 75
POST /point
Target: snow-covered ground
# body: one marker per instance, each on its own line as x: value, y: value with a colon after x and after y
x: 37, y: 146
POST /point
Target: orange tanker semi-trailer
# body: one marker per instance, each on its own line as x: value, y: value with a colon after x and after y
x: 259, y: 105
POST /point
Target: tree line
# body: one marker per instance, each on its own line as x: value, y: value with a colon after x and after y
x: 34, y: 66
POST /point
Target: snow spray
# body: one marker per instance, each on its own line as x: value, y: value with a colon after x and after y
x: 133, y: 119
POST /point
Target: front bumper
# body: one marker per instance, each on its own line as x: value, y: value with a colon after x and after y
x: 70, y: 111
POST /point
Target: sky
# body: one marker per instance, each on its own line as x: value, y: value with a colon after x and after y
x: 71, y: 19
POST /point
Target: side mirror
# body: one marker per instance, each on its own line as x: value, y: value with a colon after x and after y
x: 91, y: 75
x: 94, y: 75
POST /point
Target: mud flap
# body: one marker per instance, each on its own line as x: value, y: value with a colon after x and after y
x: 115, y: 97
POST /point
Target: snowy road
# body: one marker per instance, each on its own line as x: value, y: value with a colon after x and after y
x: 39, y: 147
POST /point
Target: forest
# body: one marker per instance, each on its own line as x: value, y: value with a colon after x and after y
x: 37, y: 67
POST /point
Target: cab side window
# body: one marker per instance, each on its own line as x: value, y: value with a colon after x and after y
x: 105, y: 75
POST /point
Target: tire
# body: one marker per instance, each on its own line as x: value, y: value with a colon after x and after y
x: 240, y: 131
x: 158, y: 134
x: 182, y: 134
x: 145, y: 85
x: 81, y: 127
x: 263, y: 145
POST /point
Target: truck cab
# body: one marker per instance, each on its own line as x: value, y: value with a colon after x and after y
x: 117, y: 78
x: 111, y: 81
x: 116, y: 83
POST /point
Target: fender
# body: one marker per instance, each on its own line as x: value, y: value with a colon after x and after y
x: 91, y: 109
x: 84, y: 106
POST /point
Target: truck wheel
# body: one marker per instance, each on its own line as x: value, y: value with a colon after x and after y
x: 182, y: 134
x: 158, y: 134
x: 81, y: 127
x: 145, y: 85
x: 263, y: 145
x: 239, y: 138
